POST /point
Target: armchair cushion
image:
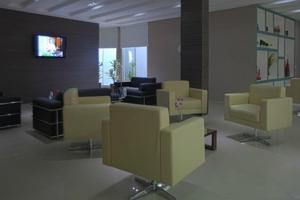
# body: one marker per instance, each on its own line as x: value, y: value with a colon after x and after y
x: 137, y: 81
x: 190, y: 103
x: 248, y: 112
x: 181, y: 88
x: 47, y: 103
x: 134, y: 92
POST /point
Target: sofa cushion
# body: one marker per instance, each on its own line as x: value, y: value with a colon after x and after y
x: 136, y: 81
x: 189, y: 103
x: 248, y: 112
x: 259, y: 92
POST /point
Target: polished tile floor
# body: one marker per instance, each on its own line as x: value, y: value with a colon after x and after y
x: 34, y: 168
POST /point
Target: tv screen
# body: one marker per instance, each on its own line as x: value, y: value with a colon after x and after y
x: 49, y: 46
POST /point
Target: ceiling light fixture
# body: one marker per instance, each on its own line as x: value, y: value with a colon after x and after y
x: 97, y: 7
x: 177, y: 6
x: 139, y: 14
x: 283, y: 2
x: 92, y: 4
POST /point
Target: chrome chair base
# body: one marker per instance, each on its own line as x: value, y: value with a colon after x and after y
x: 90, y: 146
x: 150, y: 187
x: 256, y: 138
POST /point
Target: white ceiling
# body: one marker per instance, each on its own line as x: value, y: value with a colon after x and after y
x: 125, y: 12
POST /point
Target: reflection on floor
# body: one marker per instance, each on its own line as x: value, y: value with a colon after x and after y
x: 35, y: 168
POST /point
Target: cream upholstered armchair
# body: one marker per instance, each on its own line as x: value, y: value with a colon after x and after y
x: 294, y: 90
x: 264, y: 107
x: 139, y: 139
x: 180, y: 99
x: 82, y: 116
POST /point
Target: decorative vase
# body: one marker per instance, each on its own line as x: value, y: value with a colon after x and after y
x: 287, y: 68
x: 258, y: 76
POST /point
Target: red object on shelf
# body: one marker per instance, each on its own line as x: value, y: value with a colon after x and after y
x: 287, y: 68
x: 258, y: 76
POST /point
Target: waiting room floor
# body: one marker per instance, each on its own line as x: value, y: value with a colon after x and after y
x: 35, y: 168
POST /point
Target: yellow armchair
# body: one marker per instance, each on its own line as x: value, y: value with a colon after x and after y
x: 192, y: 100
x: 82, y: 116
x: 265, y: 108
x: 140, y: 140
x: 294, y: 90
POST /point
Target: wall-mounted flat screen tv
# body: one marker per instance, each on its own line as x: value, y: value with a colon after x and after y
x: 46, y: 46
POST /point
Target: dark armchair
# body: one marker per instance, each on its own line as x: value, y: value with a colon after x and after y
x: 140, y: 90
x: 10, y: 111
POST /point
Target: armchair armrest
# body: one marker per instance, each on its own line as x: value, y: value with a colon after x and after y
x: 122, y: 84
x: 200, y: 94
x: 234, y: 99
x: 94, y: 100
x: 166, y: 99
x: 182, y: 149
x: 289, y: 91
x: 149, y: 88
x: 106, y: 144
x: 276, y: 113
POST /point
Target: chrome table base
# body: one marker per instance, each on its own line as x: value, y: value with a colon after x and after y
x: 150, y: 187
x: 256, y: 138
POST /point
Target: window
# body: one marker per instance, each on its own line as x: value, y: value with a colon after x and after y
x: 134, y: 62
x: 106, y: 57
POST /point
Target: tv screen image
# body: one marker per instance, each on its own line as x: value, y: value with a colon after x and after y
x: 49, y: 46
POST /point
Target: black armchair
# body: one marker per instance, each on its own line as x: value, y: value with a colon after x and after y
x: 10, y: 112
x: 140, y: 90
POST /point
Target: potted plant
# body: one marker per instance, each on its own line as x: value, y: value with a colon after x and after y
x: 132, y: 71
x: 115, y: 71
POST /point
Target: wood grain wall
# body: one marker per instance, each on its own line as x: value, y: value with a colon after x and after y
x: 194, y: 42
x: 21, y: 74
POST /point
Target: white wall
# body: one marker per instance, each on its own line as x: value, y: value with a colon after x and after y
x: 232, y: 51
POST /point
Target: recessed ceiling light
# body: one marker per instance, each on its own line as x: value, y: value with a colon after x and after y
x: 97, y: 7
x: 295, y: 11
x: 92, y: 4
x: 177, y: 6
x: 283, y: 2
x: 139, y: 14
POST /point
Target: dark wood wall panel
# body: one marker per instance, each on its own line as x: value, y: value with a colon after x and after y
x: 21, y: 74
x: 194, y: 42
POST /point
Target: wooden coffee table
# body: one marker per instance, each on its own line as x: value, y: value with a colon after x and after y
x: 213, y: 134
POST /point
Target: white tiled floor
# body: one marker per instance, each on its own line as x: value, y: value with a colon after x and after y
x: 34, y: 168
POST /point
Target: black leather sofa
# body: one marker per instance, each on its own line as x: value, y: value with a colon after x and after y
x: 140, y: 90
x: 48, y: 113
x: 10, y: 111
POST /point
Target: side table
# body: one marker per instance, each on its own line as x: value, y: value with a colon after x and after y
x: 213, y: 134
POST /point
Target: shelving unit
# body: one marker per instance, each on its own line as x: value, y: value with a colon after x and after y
x: 275, y: 47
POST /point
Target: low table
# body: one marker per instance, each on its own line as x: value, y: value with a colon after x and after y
x: 213, y: 134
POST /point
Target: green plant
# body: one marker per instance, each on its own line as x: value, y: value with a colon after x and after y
x: 115, y: 71
x: 271, y: 60
x: 132, y: 70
